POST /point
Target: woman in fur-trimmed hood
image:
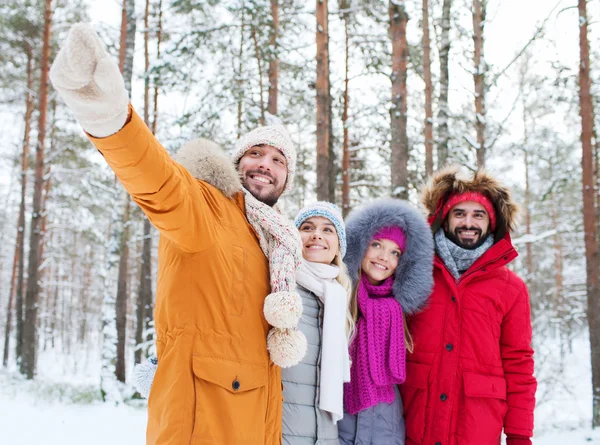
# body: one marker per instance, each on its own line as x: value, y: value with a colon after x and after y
x: 470, y: 374
x: 389, y: 258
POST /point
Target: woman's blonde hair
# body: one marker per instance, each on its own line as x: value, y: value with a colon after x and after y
x: 344, y: 279
x: 353, y: 308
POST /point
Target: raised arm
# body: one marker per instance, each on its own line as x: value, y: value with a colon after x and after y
x: 88, y: 79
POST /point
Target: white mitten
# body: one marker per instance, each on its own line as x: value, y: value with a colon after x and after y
x: 90, y: 83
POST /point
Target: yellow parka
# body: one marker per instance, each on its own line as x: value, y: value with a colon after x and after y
x: 215, y: 383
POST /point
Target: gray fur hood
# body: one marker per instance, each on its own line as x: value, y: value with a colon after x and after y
x: 413, y: 279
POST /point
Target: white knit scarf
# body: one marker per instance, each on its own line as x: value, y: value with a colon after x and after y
x: 320, y: 279
x: 280, y: 242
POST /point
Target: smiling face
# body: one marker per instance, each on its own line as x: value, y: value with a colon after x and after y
x: 380, y: 260
x: 320, y: 243
x: 263, y: 171
x: 467, y: 224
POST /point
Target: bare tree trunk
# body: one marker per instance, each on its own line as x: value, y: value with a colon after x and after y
x: 126, y: 62
x: 589, y: 223
x: 144, y: 304
x: 346, y: 205
x: 240, y: 107
x: 145, y: 286
x: 260, y: 75
x: 122, y: 294
x: 428, y: 91
x: 11, y: 301
x: 127, y: 42
x: 157, y: 79
x: 529, y: 244
x: 444, y: 110
x: 274, y: 60
x: 479, y: 8
x: 398, y: 21
x: 17, y: 278
x: 323, y: 102
x: 30, y: 334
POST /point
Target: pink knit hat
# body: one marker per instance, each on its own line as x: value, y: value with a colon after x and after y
x: 393, y: 233
x: 477, y: 197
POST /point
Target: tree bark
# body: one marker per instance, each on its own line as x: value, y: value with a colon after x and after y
x: 157, y: 79
x: 444, y: 110
x: 144, y: 304
x: 398, y: 21
x: 145, y: 285
x: 529, y: 245
x: 323, y: 102
x: 17, y: 278
x: 589, y: 214
x: 346, y: 205
x: 479, y: 8
x: 428, y: 91
x: 122, y: 294
x: 30, y: 334
x: 240, y: 107
x: 274, y: 60
x: 127, y: 46
x: 260, y: 75
x: 126, y: 55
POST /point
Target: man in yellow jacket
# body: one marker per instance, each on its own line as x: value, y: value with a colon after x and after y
x: 222, y: 250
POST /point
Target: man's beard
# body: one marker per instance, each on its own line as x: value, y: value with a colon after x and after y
x: 268, y: 198
x: 467, y: 244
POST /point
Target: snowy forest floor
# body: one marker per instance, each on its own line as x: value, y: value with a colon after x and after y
x: 64, y: 409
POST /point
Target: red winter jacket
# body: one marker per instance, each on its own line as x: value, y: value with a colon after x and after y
x: 471, y: 372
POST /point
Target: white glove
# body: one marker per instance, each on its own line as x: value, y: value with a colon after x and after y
x: 90, y: 83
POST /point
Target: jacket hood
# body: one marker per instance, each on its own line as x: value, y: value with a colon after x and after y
x: 452, y: 180
x: 206, y: 161
x: 413, y: 278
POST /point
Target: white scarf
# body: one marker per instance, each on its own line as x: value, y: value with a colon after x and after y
x: 320, y: 279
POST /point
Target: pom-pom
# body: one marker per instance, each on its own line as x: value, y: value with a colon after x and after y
x: 286, y: 346
x: 283, y: 309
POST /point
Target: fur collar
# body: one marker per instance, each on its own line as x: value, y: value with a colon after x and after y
x: 206, y: 161
x: 413, y: 279
x: 452, y: 180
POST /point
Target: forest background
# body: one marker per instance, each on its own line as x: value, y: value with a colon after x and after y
x: 376, y: 95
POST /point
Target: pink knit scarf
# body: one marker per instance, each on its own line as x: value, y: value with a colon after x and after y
x: 378, y: 352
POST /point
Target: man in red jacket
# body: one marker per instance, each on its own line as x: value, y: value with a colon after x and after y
x: 471, y: 372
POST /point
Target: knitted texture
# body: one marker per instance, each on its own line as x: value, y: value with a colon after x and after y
x: 457, y: 259
x: 378, y: 352
x: 394, y: 234
x: 275, y: 136
x: 280, y: 242
x: 480, y: 198
x: 90, y: 83
x: 329, y: 211
x: 143, y: 376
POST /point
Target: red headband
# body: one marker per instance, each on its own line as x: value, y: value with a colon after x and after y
x: 480, y: 198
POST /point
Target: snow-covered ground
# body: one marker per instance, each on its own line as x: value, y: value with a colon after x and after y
x: 60, y: 415
x: 63, y: 409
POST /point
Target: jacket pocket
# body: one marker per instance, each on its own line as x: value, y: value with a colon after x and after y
x: 236, y: 279
x: 230, y: 398
x: 481, y: 417
x: 414, y: 392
